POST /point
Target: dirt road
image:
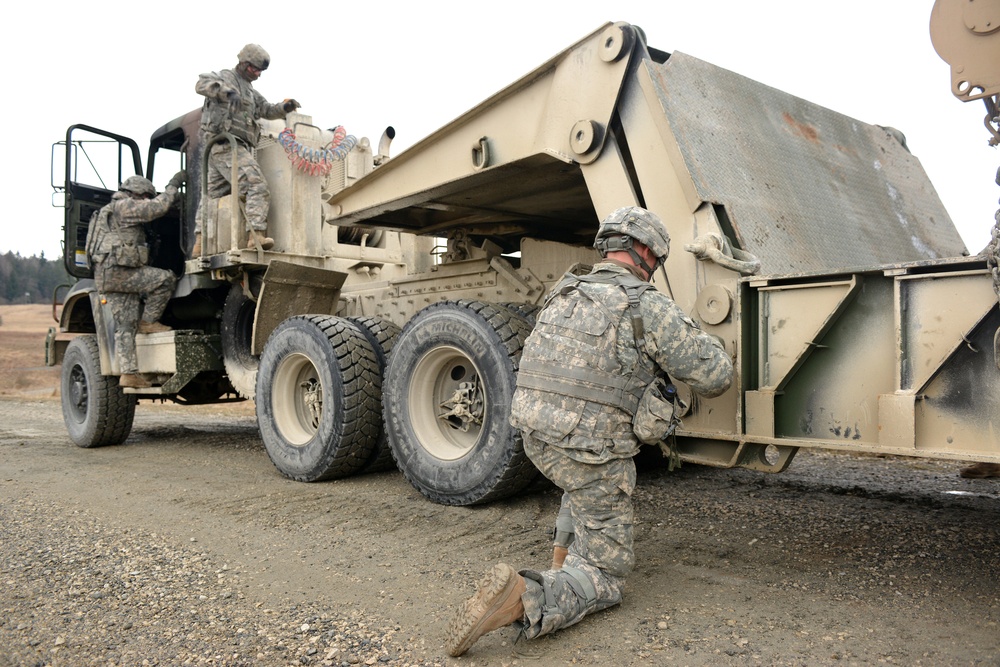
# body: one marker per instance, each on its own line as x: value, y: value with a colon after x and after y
x: 185, y: 546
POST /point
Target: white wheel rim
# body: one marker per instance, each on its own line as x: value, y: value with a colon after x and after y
x: 447, y: 403
x: 297, y: 400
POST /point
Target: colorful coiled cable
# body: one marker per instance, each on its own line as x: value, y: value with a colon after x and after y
x: 317, y: 161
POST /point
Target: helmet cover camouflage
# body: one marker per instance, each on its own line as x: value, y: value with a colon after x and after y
x: 138, y: 185
x: 637, y: 223
x: 255, y: 55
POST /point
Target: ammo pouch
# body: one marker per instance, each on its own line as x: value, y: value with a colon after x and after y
x: 129, y: 255
x: 654, y: 417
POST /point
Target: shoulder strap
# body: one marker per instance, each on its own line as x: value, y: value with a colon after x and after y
x: 633, y: 291
x: 638, y: 327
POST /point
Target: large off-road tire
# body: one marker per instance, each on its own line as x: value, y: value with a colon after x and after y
x: 237, y: 335
x: 96, y: 410
x: 527, y: 311
x: 382, y: 335
x: 448, y: 389
x: 318, y: 398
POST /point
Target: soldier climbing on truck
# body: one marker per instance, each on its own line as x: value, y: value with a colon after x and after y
x: 118, y: 253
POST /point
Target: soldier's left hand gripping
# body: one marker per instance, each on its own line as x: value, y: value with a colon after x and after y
x: 289, y: 105
x: 178, y: 179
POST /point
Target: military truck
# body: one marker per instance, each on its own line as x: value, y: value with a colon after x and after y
x: 210, y: 356
x: 811, y: 243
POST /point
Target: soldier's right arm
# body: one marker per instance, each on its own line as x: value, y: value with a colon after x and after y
x: 134, y: 212
x: 215, y: 87
x: 682, y: 349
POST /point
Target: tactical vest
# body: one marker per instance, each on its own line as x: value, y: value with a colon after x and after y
x: 576, y: 333
x: 107, y: 238
x: 241, y: 120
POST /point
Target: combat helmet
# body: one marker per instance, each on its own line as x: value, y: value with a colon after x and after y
x: 623, y: 225
x: 138, y: 185
x: 255, y: 55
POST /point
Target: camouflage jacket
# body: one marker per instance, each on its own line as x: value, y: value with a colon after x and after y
x: 593, y: 430
x: 124, y: 224
x: 238, y: 117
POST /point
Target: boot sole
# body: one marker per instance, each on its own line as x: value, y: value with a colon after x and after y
x: 979, y: 474
x: 493, y: 591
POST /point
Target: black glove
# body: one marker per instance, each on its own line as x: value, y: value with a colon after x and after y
x: 178, y: 179
x: 290, y: 105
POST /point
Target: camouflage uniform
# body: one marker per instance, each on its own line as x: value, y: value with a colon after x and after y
x: 232, y: 105
x: 581, y: 440
x: 123, y: 286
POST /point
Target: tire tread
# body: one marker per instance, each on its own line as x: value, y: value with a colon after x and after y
x: 382, y: 335
x: 508, y: 331
x: 358, y: 372
x: 111, y: 424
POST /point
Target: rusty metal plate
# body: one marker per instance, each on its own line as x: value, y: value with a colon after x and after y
x: 805, y: 188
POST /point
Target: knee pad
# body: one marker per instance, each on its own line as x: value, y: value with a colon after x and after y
x: 581, y: 584
x: 564, y: 533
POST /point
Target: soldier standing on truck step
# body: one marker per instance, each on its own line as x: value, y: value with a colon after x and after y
x: 232, y: 105
x: 593, y: 383
x: 116, y: 246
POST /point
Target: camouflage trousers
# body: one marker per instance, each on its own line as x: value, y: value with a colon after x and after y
x: 252, y: 186
x: 599, y: 499
x: 123, y: 288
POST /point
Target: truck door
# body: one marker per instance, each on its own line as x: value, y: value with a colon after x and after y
x: 94, y: 162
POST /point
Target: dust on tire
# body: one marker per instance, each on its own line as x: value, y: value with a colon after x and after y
x: 462, y: 451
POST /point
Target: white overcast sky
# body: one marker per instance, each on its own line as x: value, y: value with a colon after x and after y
x: 130, y: 67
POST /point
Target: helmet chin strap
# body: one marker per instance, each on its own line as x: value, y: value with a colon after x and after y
x: 244, y: 71
x: 623, y: 243
x: 641, y: 263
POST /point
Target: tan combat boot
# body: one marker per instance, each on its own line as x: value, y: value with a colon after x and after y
x: 496, y: 603
x: 196, y: 250
x: 266, y: 242
x: 152, y: 327
x: 133, y: 380
x: 981, y: 471
x: 559, y: 556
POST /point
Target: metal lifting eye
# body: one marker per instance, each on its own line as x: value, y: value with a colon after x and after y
x: 481, y: 154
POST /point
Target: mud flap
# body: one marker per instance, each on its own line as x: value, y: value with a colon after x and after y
x: 55, y: 349
x: 104, y: 322
x: 290, y: 290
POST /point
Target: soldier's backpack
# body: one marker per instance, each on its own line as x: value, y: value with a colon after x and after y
x: 96, y: 229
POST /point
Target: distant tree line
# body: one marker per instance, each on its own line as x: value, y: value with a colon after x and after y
x: 30, y: 279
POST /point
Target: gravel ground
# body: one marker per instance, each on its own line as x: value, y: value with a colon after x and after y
x: 184, y: 546
x: 81, y: 592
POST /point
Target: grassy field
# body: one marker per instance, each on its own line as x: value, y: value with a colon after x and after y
x: 22, y: 352
x: 23, y: 373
